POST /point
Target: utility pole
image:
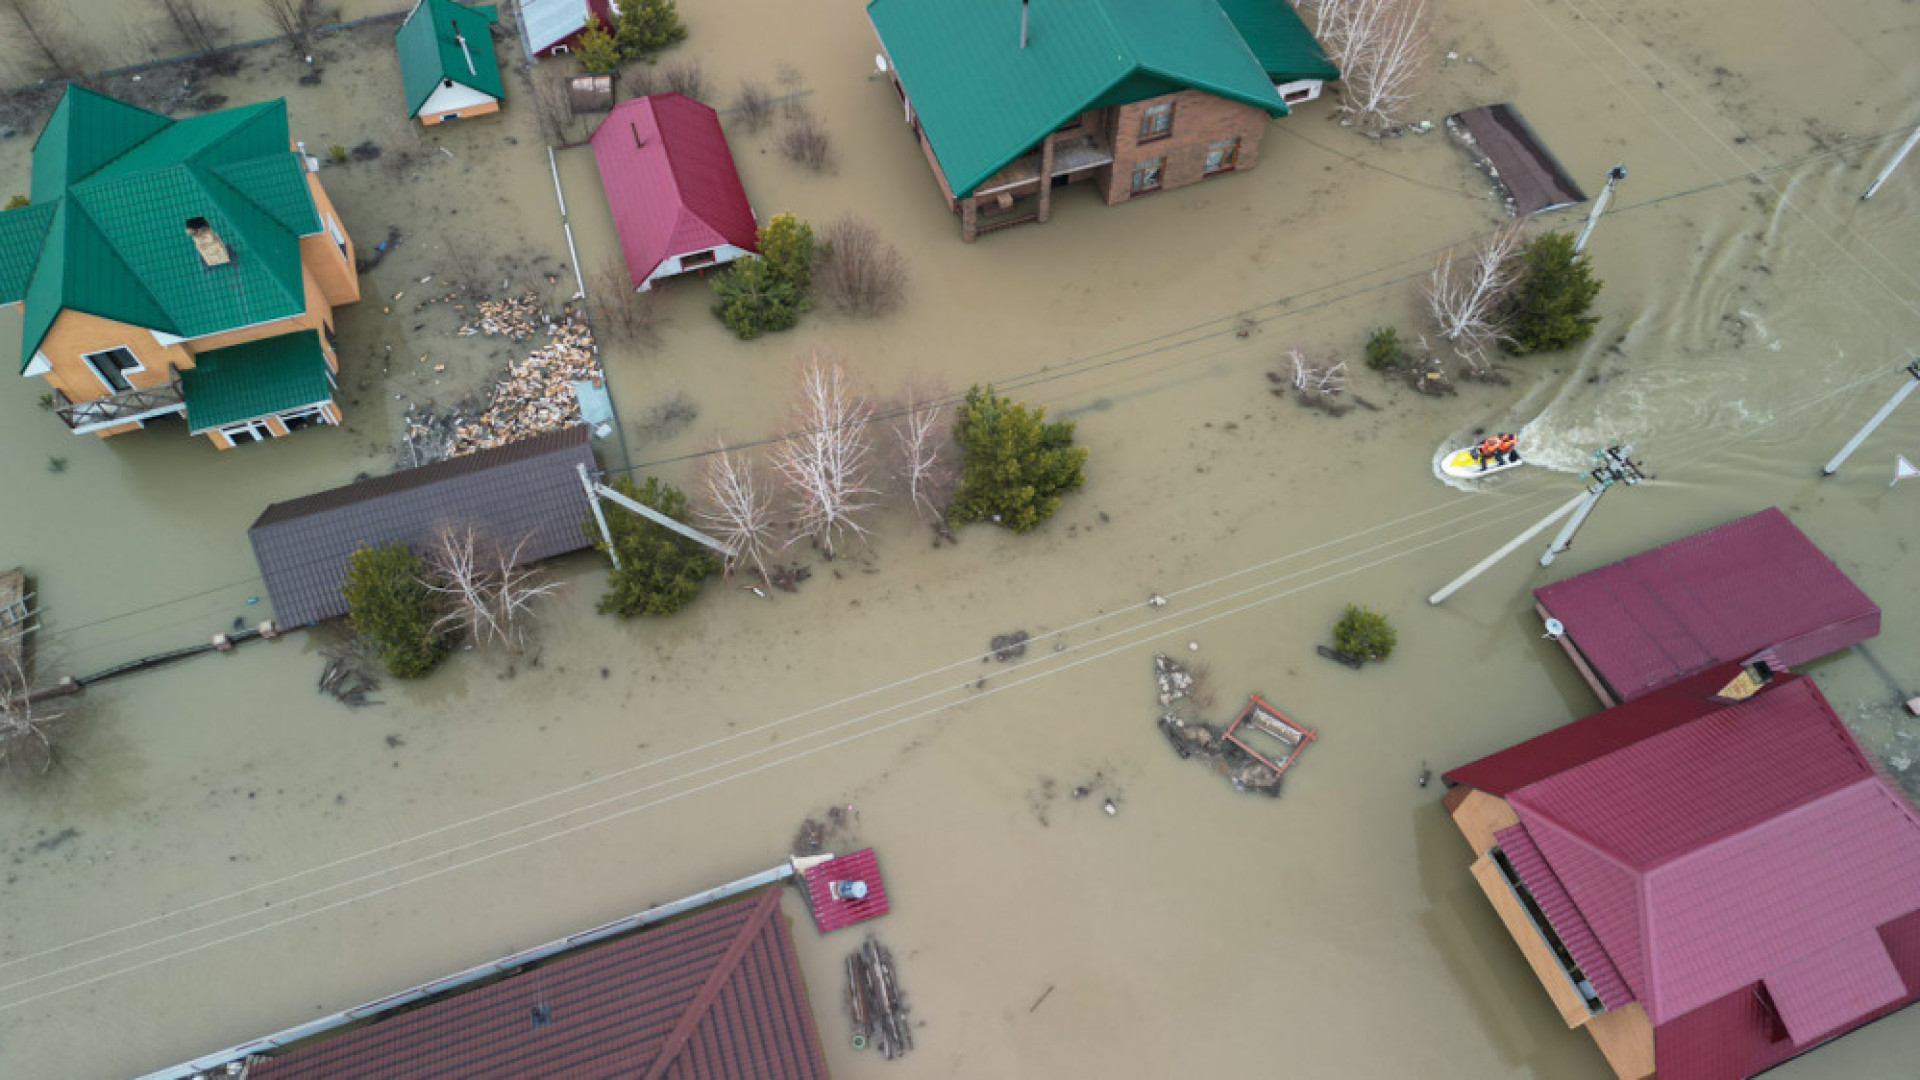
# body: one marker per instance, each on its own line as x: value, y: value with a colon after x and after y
x: 597, y: 491
x: 1900, y: 395
x: 1614, y: 176
x: 1616, y: 467
x: 1898, y: 156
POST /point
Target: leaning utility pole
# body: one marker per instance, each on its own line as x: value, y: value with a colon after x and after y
x: 1898, y: 156
x: 597, y: 491
x: 1900, y: 395
x: 1616, y: 467
x: 1614, y: 176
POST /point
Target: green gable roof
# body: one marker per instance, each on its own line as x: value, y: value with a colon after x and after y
x: 429, y: 44
x: 113, y: 188
x: 256, y: 379
x: 1282, y: 43
x: 983, y: 100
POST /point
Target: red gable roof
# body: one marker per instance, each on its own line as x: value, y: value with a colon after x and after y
x: 1731, y: 593
x: 716, y: 993
x: 1737, y: 847
x: 670, y: 181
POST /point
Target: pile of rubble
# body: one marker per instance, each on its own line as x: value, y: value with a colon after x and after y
x: 535, y: 397
x: 1175, y: 680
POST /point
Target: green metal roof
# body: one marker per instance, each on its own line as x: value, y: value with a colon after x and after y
x: 429, y: 44
x: 983, y: 100
x: 1282, y: 43
x: 254, y: 380
x: 113, y: 189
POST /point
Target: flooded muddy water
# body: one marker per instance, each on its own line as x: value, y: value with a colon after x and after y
x: 226, y: 852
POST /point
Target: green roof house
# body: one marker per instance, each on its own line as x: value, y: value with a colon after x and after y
x: 447, y: 63
x: 1011, y: 99
x: 152, y: 247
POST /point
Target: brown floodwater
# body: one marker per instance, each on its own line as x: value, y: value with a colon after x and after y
x: 226, y: 852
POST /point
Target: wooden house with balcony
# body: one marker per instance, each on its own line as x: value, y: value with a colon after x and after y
x: 1011, y: 99
x: 177, y: 268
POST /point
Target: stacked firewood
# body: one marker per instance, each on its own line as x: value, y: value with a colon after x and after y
x: 534, y: 398
x: 873, y: 998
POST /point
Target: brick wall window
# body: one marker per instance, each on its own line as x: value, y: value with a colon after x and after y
x: 1146, y: 175
x: 1156, y: 121
x: 1222, y: 156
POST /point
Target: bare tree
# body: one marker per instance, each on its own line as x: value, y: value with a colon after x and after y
x: 1317, y: 383
x: 1379, y: 46
x: 924, y: 434
x: 551, y: 103
x: 858, y: 272
x: 824, y: 459
x: 805, y: 140
x: 297, y: 20
x: 620, y: 310
x: 485, y: 588
x: 686, y: 77
x: 33, y: 714
x: 45, y: 44
x: 753, y: 104
x: 1466, y: 294
x: 197, y: 31
x: 734, y: 504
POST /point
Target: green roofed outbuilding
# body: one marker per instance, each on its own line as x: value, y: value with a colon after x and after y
x: 1137, y: 96
x: 447, y: 62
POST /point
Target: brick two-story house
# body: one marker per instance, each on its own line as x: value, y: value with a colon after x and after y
x: 177, y: 267
x: 1012, y: 99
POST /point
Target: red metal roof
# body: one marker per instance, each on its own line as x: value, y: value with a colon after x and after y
x: 1841, y: 983
x: 670, y: 181
x: 1564, y: 916
x: 830, y: 914
x: 1750, y: 586
x: 1717, y: 853
x: 716, y: 993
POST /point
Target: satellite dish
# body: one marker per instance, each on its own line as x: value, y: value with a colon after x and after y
x: 880, y: 61
x: 1555, y: 628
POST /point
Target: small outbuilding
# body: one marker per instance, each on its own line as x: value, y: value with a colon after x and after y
x: 525, y: 495
x: 553, y: 27
x: 1752, y: 589
x: 447, y: 63
x: 677, y: 201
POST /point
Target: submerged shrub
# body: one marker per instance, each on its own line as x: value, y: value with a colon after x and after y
x: 390, y: 604
x: 1364, y: 633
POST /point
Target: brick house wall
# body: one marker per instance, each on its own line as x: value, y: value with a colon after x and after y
x: 1199, y: 121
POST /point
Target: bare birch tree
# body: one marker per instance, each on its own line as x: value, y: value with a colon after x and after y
x: 824, y: 460
x: 734, y: 505
x: 32, y: 715
x: 44, y: 42
x: 299, y: 21
x: 194, y: 28
x: 923, y: 431
x: 486, y: 590
x: 1380, y: 46
x: 1466, y: 294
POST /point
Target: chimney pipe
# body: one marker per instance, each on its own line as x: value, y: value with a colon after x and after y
x: 466, y: 52
x: 1023, y: 23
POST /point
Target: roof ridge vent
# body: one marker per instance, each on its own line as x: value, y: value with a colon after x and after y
x: 213, y: 252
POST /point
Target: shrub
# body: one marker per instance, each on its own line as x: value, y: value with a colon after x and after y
x: 1364, y: 633
x: 787, y: 243
x: 390, y: 604
x: 687, y: 78
x: 805, y: 141
x: 18, y: 201
x: 338, y: 153
x: 753, y: 104
x: 1550, y: 304
x: 859, y: 273
x: 644, y: 27
x: 598, y: 50
x: 1014, y: 464
x: 766, y: 294
x: 660, y: 570
x: 1384, y: 351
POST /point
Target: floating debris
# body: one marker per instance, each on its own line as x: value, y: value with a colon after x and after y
x: 1005, y: 647
x: 1175, y: 680
x: 874, y: 1002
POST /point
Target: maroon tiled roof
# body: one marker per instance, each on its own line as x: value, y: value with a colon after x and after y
x: 714, y: 994
x: 1711, y: 855
x: 1602, y: 733
x: 525, y: 491
x: 1750, y: 586
x: 1564, y: 916
x: 830, y: 914
x: 670, y: 182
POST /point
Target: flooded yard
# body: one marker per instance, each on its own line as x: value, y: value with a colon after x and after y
x: 225, y: 852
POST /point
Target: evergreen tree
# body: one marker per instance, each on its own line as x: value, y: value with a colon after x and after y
x: 660, y: 570
x: 389, y: 604
x: 598, y: 50
x: 1014, y: 465
x: 644, y: 27
x: 1364, y: 633
x: 1550, y: 304
x: 763, y: 295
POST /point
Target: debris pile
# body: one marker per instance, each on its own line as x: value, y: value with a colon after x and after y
x: 535, y: 397
x: 878, y: 1011
x: 1197, y: 739
x: 346, y: 677
x: 1175, y: 680
x: 1006, y: 647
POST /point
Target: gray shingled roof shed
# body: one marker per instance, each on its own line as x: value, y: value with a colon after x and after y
x: 526, y: 490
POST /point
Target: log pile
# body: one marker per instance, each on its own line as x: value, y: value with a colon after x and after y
x: 874, y: 1003
x: 534, y: 398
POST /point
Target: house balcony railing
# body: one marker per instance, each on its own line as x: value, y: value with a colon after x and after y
x: 1070, y: 155
x: 123, y: 407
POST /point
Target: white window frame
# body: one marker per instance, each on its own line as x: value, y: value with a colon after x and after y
x: 304, y: 412
x: 258, y: 429
x: 139, y: 367
x: 339, y: 234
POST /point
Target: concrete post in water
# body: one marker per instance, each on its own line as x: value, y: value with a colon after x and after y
x: 1565, y: 540
x: 599, y: 516
x: 1900, y: 395
x: 1614, y: 176
x: 1898, y: 156
x: 1512, y: 546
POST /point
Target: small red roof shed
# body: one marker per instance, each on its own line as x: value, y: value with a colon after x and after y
x: 677, y: 201
x: 715, y: 993
x: 1752, y: 588
x: 1752, y: 879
